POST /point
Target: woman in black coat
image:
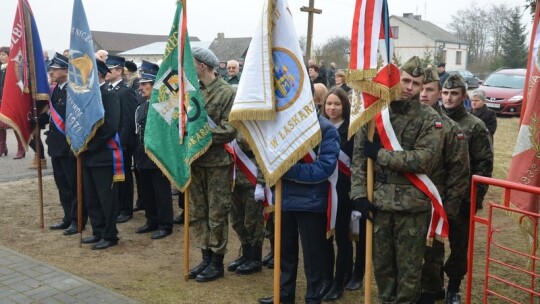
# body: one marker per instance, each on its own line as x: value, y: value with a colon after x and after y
x: 480, y: 110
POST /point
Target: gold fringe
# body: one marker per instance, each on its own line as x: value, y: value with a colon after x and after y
x: 354, y: 237
x: 252, y: 114
x: 119, y: 178
x: 429, y: 242
x: 42, y: 96
x: 361, y: 75
x: 269, y: 209
x: 17, y: 130
x: 330, y: 233
x: 88, y: 139
x: 381, y: 91
x: 271, y: 178
x: 366, y: 116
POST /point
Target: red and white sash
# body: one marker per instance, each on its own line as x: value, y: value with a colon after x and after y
x: 332, y: 195
x: 344, y: 163
x: 249, y: 169
x: 439, y: 223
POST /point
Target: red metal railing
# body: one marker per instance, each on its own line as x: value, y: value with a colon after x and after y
x: 533, y: 217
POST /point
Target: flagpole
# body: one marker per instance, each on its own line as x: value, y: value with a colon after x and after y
x: 369, y: 224
x: 186, y: 234
x: 79, y: 198
x: 277, y: 241
x: 33, y: 88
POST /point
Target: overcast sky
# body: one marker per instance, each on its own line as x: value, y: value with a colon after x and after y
x: 235, y: 18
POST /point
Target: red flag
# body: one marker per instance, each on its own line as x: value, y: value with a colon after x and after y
x: 26, y: 75
x: 525, y: 165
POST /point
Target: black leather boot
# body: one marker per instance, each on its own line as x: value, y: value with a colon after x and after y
x: 270, y: 256
x: 240, y: 260
x: 325, y: 288
x: 335, y: 292
x: 213, y: 271
x: 206, y: 259
x: 254, y: 263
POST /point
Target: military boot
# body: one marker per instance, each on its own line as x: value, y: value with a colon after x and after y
x: 426, y: 298
x: 254, y: 263
x: 206, y: 259
x: 240, y: 260
x: 270, y: 255
x: 213, y: 271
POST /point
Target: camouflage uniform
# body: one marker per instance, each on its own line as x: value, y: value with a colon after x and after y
x: 246, y: 214
x: 211, y: 179
x: 400, y: 225
x: 481, y: 163
x: 451, y: 178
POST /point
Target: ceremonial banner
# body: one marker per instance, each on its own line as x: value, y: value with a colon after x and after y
x: 275, y: 86
x: 525, y: 165
x: 26, y: 75
x: 371, y: 37
x: 84, y: 108
x: 176, y: 89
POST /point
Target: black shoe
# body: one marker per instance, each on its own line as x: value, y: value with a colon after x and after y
x: 138, y: 208
x: 206, y: 259
x: 179, y: 219
x: 270, y: 300
x: 453, y: 298
x: 354, y: 283
x: 441, y: 295
x: 104, y: 244
x: 335, y: 292
x: 325, y: 288
x: 58, y: 226
x: 270, y: 264
x: 72, y: 229
x: 122, y: 218
x: 91, y: 239
x: 213, y: 271
x: 253, y: 264
x: 161, y: 233
x: 426, y: 298
x: 267, y: 258
x: 246, y: 251
x: 146, y: 228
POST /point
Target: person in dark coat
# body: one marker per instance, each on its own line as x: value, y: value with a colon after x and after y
x: 155, y: 188
x: 315, y: 76
x: 480, y: 110
x: 98, y: 161
x: 441, y: 70
x: 63, y: 160
x: 128, y: 104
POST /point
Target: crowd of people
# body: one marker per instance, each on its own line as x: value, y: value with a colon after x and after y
x: 436, y: 134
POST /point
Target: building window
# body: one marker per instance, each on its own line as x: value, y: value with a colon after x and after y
x: 395, y: 31
x: 458, y: 58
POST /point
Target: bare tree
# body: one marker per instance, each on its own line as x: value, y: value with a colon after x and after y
x: 470, y: 25
x: 335, y: 49
x: 496, y: 27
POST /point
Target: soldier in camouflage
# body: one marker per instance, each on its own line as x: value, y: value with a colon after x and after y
x: 481, y: 163
x: 450, y: 177
x: 247, y: 217
x: 211, y: 178
x: 403, y: 211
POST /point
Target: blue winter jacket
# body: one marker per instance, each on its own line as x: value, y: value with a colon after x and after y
x: 305, y: 185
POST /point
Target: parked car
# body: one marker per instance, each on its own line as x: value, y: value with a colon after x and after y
x: 504, y: 91
x: 472, y: 81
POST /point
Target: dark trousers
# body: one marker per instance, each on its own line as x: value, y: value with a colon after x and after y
x: 343, y: 260
x: 458, y: 236
x: 101, y: 196
x: 157, y: 199
x: 32, y: 145
x: 125, y: 188
x: 311, y: 227
x: 360, y: 251
x: 65, y: 178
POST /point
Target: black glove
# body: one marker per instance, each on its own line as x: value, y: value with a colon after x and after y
x: 372, y: 148
x: 364, y: 206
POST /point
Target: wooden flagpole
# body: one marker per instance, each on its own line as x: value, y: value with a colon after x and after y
x: 277, y: 240
x: 186, y: 234
x: 369, y: 224
x: 37, y: 140
x: 79, y: 198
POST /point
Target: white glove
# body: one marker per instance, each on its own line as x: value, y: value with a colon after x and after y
x: 259, y: 193
x: 354, y: 225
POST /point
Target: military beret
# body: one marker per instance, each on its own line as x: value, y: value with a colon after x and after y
x: 413, y: 66
x: 102, y: 67
x: 115, y: 61
x: 454, y: 81
x: 430, y: 75
x: 205, y: 56
x: 131, y: 66
x: 59, y: 62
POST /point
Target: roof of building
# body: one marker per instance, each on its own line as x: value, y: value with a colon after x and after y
x: 429, y: 29
x: 158, y: 48
x: 115, y: 43
x: 230, y: 48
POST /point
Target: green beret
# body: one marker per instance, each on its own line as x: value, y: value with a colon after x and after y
x: 454, y: 81
x: 413, y: 66
x: 430, y: 75
x: 205, y: 56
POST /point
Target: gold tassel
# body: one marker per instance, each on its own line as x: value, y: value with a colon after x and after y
x: 252, y: 114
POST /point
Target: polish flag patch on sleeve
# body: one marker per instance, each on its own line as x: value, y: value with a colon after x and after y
x: 460, y: 135
x: 438, y: 125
